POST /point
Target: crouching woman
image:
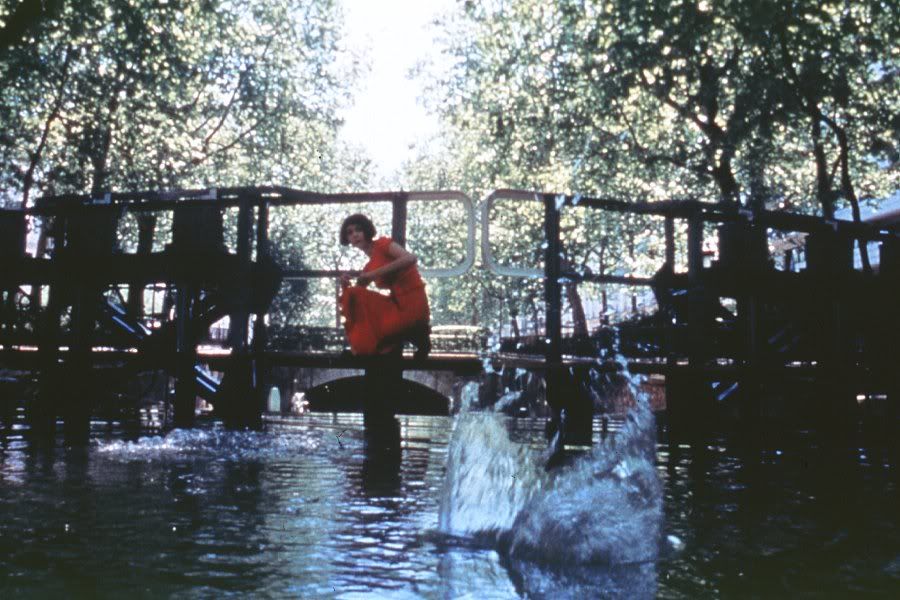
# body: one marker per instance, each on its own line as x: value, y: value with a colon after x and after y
x: 375, y: 323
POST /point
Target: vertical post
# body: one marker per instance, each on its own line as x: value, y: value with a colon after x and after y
x: 685, y: 412
x: 259, y: 369
x: 90, y: 240
x: 146, y: 228
x: 552, y: 287
x: 751, y: 380
x: 674, y: 395
x: 196, y: 237
x: 830, y: 262
x: 262, y: 257
x: 398, y: 218
x: 240, y: 318
x: 79, y: 371
x: 888, y: 331
x: 695, y: 289
x: 41, y: 411
x: 669, y: 269
x: 185, y: 356
x: 12, y: 246
x: 243, y: 404
x: 553, y: 322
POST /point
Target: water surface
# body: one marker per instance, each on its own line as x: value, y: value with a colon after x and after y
x: 307, y: 509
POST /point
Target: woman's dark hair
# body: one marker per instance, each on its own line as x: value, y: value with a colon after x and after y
x: 361, y: 221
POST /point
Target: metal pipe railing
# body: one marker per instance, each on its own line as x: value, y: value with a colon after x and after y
x: 264, y: 198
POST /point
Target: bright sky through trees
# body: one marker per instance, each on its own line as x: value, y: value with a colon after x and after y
x: 392, y: 36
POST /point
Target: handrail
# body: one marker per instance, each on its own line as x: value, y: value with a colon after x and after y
x: 487, y: 255
x: 665, y: 208
x: 414, y: 196
x: 676, y: 208
x: 256, y: 196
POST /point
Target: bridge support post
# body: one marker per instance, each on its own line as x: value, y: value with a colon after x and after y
x: 84, y: 240
x: 241, y: 392
x: 382, y: 379
x: 687, y: 395
x: 830, y: 264
x: 241, y: 399
x: 398, y: 218
x: 81, y: 389
x: 562, y: 391
x: 185, y: 358
x: 41, y: 411
x: 889, y: 276
x: 12, y: 246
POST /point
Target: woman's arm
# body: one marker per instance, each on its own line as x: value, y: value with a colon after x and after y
x: 402, y: 259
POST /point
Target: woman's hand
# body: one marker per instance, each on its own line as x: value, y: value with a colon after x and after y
x: 364, y: 279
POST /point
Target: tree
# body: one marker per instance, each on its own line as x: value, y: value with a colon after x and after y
x: 144, y: 95
x: 785, y: 104
x: 652, y: 100
x: 125, y: 95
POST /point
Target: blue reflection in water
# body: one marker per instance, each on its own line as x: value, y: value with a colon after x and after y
x: 310, y: 509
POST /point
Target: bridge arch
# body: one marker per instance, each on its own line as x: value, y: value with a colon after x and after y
x: 355, y: 393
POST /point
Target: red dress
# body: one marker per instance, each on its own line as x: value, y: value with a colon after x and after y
x: 376, y: 323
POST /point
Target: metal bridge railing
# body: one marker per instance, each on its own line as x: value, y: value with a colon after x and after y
x: 742, y: 247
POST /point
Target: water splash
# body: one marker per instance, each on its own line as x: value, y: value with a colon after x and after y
x: 604, y: 508
x: 489, y: 478
x: 200, y: 443
x: 468, y: 397
x: 507, y: 399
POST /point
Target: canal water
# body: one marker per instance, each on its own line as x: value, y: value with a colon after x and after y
x: 457, y: 507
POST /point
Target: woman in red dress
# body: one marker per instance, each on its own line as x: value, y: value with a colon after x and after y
x: 375, y: 323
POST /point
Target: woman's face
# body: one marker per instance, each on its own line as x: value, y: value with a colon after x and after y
x: 355, y: 236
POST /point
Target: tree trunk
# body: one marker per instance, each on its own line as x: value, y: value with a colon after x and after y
x: 725, y: 179
x: 847, y: 190
x: 514, y: 323
x: 570, y: 289
x: 579, y: 320
x: 100, y: 157
x: 823, y: 182
x: 37, y: 155
x: 755, y: 165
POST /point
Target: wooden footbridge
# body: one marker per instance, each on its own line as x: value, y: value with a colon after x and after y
x: 725, y: 329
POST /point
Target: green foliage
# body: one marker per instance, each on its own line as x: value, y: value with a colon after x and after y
x: 774, y: 103
x: 100, y: 95
x: 139, y: 94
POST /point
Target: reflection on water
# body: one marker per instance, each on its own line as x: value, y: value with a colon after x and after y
x: 792, y: 516
x: 312, y: 508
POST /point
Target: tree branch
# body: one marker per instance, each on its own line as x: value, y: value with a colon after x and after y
x: 28, y: 179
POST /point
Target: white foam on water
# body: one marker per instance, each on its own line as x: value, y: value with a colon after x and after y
x: 604, y: 508
x: 489, y: 478
x: 215, y: 442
